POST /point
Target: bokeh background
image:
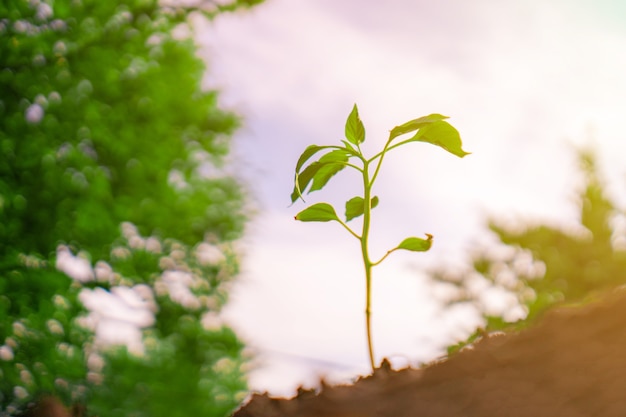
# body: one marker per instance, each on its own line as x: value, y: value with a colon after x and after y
x: 525, y: 83
x: 150, y: 263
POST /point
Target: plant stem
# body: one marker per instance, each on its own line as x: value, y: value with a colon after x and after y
x: 367, y: 209
x: 368, y: 313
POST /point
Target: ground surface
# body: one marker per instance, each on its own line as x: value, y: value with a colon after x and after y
x: 571, y: 363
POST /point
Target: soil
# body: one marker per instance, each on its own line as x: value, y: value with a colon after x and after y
x: 571, y: 363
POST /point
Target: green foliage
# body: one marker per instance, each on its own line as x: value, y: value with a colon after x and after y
x: 111, y: 150
x: 171, y: 371
x: 416, y: 244
x: 120, y: 114
x: 355, y: 131
x: 544, y: 265
x: 42, y: 348
x: 355, y: 207
x: 432, y: 129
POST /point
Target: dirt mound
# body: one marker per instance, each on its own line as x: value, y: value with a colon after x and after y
x: 572, y: 363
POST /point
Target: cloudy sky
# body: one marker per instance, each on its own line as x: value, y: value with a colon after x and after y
x: 524, y: 82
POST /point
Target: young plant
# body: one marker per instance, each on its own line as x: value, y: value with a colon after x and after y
x: 431, y: 129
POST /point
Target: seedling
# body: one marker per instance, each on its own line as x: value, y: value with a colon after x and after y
x: 431, y: 129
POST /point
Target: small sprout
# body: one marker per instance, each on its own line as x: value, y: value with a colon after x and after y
x: 432, y: 129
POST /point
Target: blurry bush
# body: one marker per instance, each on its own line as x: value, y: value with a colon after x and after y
x: 106, y: 139
x: 538, y: 266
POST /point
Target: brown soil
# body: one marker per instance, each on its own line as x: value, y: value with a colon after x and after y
x: 571, y: 363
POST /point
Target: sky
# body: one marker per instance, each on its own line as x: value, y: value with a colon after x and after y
x: 524, y: 82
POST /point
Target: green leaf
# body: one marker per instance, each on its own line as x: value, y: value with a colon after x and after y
x: 331, y: 163
x: 415, y: 124
x: 355, y: 207
x: 416, y: 244
x: 442, y: 134
x: 303, y: 179
x: 320, y: 172
x: 320, y: 212
x: 355, y: 131
x: 307, y: 154
x: 350, y: 148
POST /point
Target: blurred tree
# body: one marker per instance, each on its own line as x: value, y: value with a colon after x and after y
x: 544, y: 265
x: 111, y: 184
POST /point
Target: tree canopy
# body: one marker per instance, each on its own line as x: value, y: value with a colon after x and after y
x: 111, y: 183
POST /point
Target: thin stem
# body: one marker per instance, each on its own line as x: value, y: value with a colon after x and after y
x: 380, y: 161
x: 367, y: 209
x: 348, y: 229
x: 368, y: 314
x: 387, y: 149
x: 353, y: 166
x: 383, y: 258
